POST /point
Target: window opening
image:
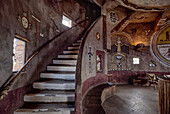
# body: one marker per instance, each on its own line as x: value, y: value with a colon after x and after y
x: 99, y: 61
x: 135, y: 60
x: 18, y: 54
x: 66, y: 21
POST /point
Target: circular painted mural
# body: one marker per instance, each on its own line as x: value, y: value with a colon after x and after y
x: 161, y: 45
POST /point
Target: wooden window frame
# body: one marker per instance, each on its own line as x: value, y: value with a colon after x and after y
x: 25, y: 40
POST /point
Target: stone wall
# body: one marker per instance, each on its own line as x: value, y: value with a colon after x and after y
x: 11, y: 13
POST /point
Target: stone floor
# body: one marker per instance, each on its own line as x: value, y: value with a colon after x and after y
x: 132, y: 100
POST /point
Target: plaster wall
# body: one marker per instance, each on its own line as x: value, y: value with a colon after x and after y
x: 95, y: 44
x: 120, y: 14
x: 150, y: 3
x: 42, y: 10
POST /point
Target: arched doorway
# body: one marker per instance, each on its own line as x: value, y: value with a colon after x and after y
x: 92, y: 100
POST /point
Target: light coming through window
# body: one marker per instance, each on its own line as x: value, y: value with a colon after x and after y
x: 66, y: 21
x: 18, y: 54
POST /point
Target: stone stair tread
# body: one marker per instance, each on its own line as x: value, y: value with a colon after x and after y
x: 69, y: 54
x: 50, y: 96
x: 54, y: 81
x: 72, y: 60
x: 59, y: 72
x: 49, y: 93
x: 66, y: 59
x: 55, y: 85
x: 73, y: 45
x: 61, y: 68
x: 65, y: 62
x: 76, y: 44
x: 73, y: 48
x: 76, y: 51
x: 45, y: 111
x: 64, y: 76
x: 32, y: 105
x: 79, y: 41
x: 47, y: 108
x: 61, y: 65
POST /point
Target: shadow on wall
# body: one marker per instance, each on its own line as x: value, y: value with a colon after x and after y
x: 92, y: 100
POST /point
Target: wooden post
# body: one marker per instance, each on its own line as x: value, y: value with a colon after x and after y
x: 164, y: 95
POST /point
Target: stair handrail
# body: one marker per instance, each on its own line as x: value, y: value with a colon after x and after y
x: 7, y: 85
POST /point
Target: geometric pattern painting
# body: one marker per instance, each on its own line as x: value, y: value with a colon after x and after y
x: 161, y: 45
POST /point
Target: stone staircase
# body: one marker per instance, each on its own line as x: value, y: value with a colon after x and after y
x: 54, y: 93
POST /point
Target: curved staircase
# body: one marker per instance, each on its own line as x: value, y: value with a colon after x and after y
x: 54, y: 93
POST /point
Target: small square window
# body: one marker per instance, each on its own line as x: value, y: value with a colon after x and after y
x: 135, y: 60
x: 66, y: 21
x: 99, y: 68
x: 99, y: 61
x: 18, y: 54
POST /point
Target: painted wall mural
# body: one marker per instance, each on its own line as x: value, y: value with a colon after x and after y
x: 113, y: 17
x: 40, y: 27
x: 120, y: 46
x: 90, y: 56
x: 161, y: 44
x: 23, y: 18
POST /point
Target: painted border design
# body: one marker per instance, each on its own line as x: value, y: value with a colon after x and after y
x: 154, y: 45
x: 124, y: 34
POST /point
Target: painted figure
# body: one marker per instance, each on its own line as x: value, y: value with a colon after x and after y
x: 90, y: 53
x: 168, y: 53
x: 167, y: 35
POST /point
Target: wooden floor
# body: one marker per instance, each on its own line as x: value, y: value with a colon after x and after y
x: 132, y: 100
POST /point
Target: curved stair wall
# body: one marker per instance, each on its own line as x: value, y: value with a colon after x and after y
x: 85, y: 79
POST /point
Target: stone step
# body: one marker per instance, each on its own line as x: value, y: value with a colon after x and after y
x: 79, y: 41
x: 54, y: 85
x: 66, y: 62
x: 65, y: 76
x: 44, y: 111
x: 76, y: 44
x: 73, y: 48
x: 61, y: 68
x: 50, y: 96
x: 45, y: 108
x: 68, y: 56
x: 71, y: 52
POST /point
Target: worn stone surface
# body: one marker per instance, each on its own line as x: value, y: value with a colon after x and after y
x: 132, y: 100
